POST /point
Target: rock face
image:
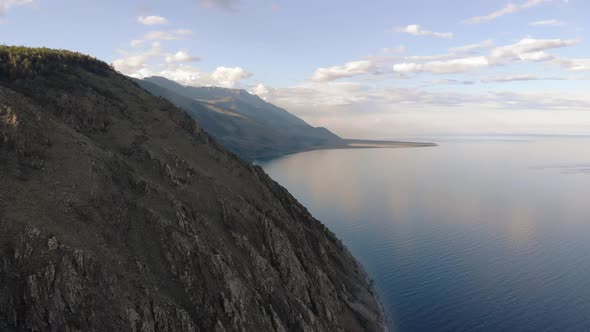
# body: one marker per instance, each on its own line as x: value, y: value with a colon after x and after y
x: 117, y: 212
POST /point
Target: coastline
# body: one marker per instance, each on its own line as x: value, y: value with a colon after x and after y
x: 367, y: 144
x: 349, y: 144
x: 385, y: 321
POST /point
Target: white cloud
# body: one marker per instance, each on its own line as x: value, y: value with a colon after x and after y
x: 158, y: 62
x: 260, y: 90
x: 151, y: 20
x: 181, y: 56
x: 456, y: 65
x: 436, y: 57
x: 310, y: 97
x: 417, y: 30
x: 186, y: 75
x: 408, y: 67
x: 514, y: 78
x: 189, y: 75
x: 414, y: 111
x: 131, y: 64
x: 510, y: 8
x: 459, y: 52
x: 473, y: 47
x: 443, y: 67
x: 168, y: 35
x: 450, y: 82
x: 535, y: 56
x: 574, y: 64
x: 7, y: 4
x: 552, y: 22
x: 228, y: 77
x: 349, y: 69
x: 337, y: 104
x: 528, y: 49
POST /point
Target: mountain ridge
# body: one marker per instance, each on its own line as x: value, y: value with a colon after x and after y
x: 118, y: 212
x: 261, y: 130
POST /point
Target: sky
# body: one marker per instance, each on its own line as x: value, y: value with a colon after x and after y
x: 380, y: 69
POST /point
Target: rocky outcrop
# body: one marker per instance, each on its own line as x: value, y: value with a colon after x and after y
x: 117, y: 212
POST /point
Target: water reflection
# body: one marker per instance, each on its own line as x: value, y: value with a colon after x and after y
x: 465, y: 236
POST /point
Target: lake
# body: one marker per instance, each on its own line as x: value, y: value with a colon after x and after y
x: 474, y: 235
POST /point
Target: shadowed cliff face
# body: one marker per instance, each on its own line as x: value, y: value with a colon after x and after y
x: 117, y: 212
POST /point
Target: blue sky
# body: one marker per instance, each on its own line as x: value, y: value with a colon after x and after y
x: 375, y: 69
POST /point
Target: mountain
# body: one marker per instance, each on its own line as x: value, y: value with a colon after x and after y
x: 243, y: 123
x: 119, y: 213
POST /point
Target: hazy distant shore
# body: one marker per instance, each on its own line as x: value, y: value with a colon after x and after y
x: 350, y: 144
x: 360, y: 144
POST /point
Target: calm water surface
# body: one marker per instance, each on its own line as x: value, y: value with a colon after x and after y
x: 480, y: 235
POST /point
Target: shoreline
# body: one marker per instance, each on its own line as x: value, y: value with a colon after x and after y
x: 386, y: 320
x: 349, y: 144
x: 366, y: 144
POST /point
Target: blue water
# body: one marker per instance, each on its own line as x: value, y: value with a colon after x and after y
x: 466, y: 236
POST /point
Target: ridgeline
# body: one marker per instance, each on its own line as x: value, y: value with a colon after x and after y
x: 118, y: 212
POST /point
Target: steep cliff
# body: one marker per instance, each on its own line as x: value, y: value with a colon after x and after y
x: 118, y: 212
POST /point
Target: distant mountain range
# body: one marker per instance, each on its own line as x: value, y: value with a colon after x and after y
x: 242, y: 122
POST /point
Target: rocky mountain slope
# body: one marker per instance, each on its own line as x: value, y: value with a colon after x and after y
x: 119, y: 213
x: 243, y: 123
